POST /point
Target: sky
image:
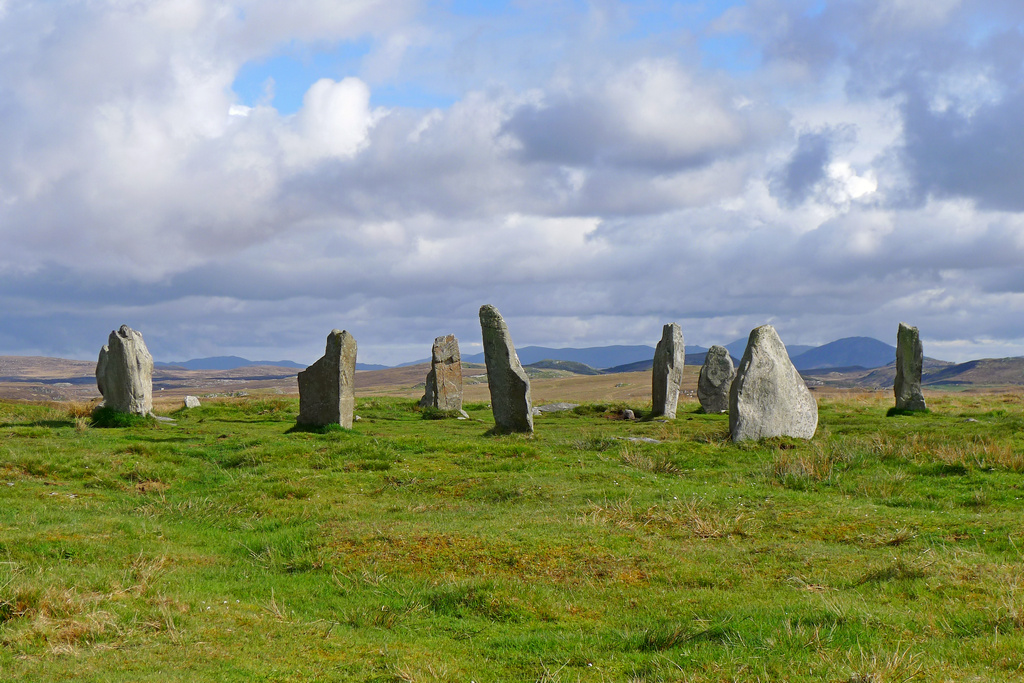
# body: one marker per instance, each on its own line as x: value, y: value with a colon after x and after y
x: 239, y: 177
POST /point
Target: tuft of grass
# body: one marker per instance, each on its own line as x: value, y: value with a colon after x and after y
x: 656, y: 464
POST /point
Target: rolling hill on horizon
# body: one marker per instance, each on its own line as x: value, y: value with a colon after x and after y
x: 850, y: 352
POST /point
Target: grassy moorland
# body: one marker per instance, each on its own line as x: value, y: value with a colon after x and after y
x: 230, y: 547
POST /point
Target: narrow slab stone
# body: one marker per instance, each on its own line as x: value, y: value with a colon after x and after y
x: 768, y: 396
x: 327, y: 387
x: 191, y: 402
x: 444, y: 381
x: 506, y: 379
x: 715, y: 380
x: 909, y: 366
x: 124, y: 373
x: 669, y: 356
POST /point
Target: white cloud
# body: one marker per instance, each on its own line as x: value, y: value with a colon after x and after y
x: 592, y: 187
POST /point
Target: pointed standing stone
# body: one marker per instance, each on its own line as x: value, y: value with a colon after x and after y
x: 715, y: 380
x: 506, y: 379
x: 124, y: 373
x: 327, y: 387
x: 444, y: 381
x: 768, y: 396
x: 909, y: 365
x: 667, y: 376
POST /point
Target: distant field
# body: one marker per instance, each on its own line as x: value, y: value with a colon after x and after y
x: 231, y: 547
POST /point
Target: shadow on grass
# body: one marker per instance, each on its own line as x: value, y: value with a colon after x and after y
x: 903, y: 412
x: 105, y: 418
x: 300, y: 428
x: 52, y: 424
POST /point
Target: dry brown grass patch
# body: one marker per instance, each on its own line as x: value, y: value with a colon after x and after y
x: 693, y: 516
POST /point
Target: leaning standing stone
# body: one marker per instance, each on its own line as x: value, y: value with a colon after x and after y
x: 909, y: 364
x: 124, y: 373
x: 667, y: 375
x: 444, y: 381
x: 715, y: 380
x: 768, y: 397
x: 327, y: 387
x: 506, y: 379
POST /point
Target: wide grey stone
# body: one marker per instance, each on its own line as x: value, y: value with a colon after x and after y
x: 768, y: 397
x: 444, y: 381
x: 506, y: 379
x: 909, y: 365
x: 327, y: 387
x: 555, y: 407
x: 715, y: 380
x: 191, y: 402
x: 669, y: 356
x: 124, y: 373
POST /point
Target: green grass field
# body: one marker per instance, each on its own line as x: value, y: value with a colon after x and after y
x: 231, y: 547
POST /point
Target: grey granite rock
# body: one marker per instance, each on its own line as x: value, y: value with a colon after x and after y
x: 444, y: 381
x: 909, y: 365
x: 192, y: 402
x: 506, y: 379
x: 124, y: 373
x: 555, y: 407
x: 667, y: 375
x: 715, y: 380
x: 327, y: 387
x: 768, y: 397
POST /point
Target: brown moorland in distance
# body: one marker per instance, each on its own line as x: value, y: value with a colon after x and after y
x: 36, y: 378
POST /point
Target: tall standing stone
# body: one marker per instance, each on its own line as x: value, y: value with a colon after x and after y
x: 444, y: 381
x: 768, y: 396
x: 327, y: 387
x: 506, y: 379
x: 909, y: 365
x: 715, y: 380
x: 667, y: 376
x: 124, y: 373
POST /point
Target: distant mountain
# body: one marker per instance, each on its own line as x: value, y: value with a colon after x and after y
x: 233, y: 362
x: 595, y: 357
x: 567, y: 365
x: 850, y: 352
x: 984, y: 372
x: 693, y: 359
x: 599, y: 357
x: 737, y: 347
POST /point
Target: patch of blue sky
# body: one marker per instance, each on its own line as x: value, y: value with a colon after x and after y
x: 816, y: 8
x: 734, y: 53
x: 473, y: 8
x: 293, y: 70
x: 652, y: 17
x: 410, y: 96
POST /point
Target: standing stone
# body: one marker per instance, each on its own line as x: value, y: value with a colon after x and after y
x: 715, y: 380
x: 327, y: 387
x: 909, y: 364
x: 506, y: 379
x: 444, y: 381
x: 768, y: 397
x: 669, y: 357
x: 192, y: 402
x: 124, y: 373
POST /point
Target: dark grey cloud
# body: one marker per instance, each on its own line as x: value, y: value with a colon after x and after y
x: 977, y: 155
x: 807, y: 168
